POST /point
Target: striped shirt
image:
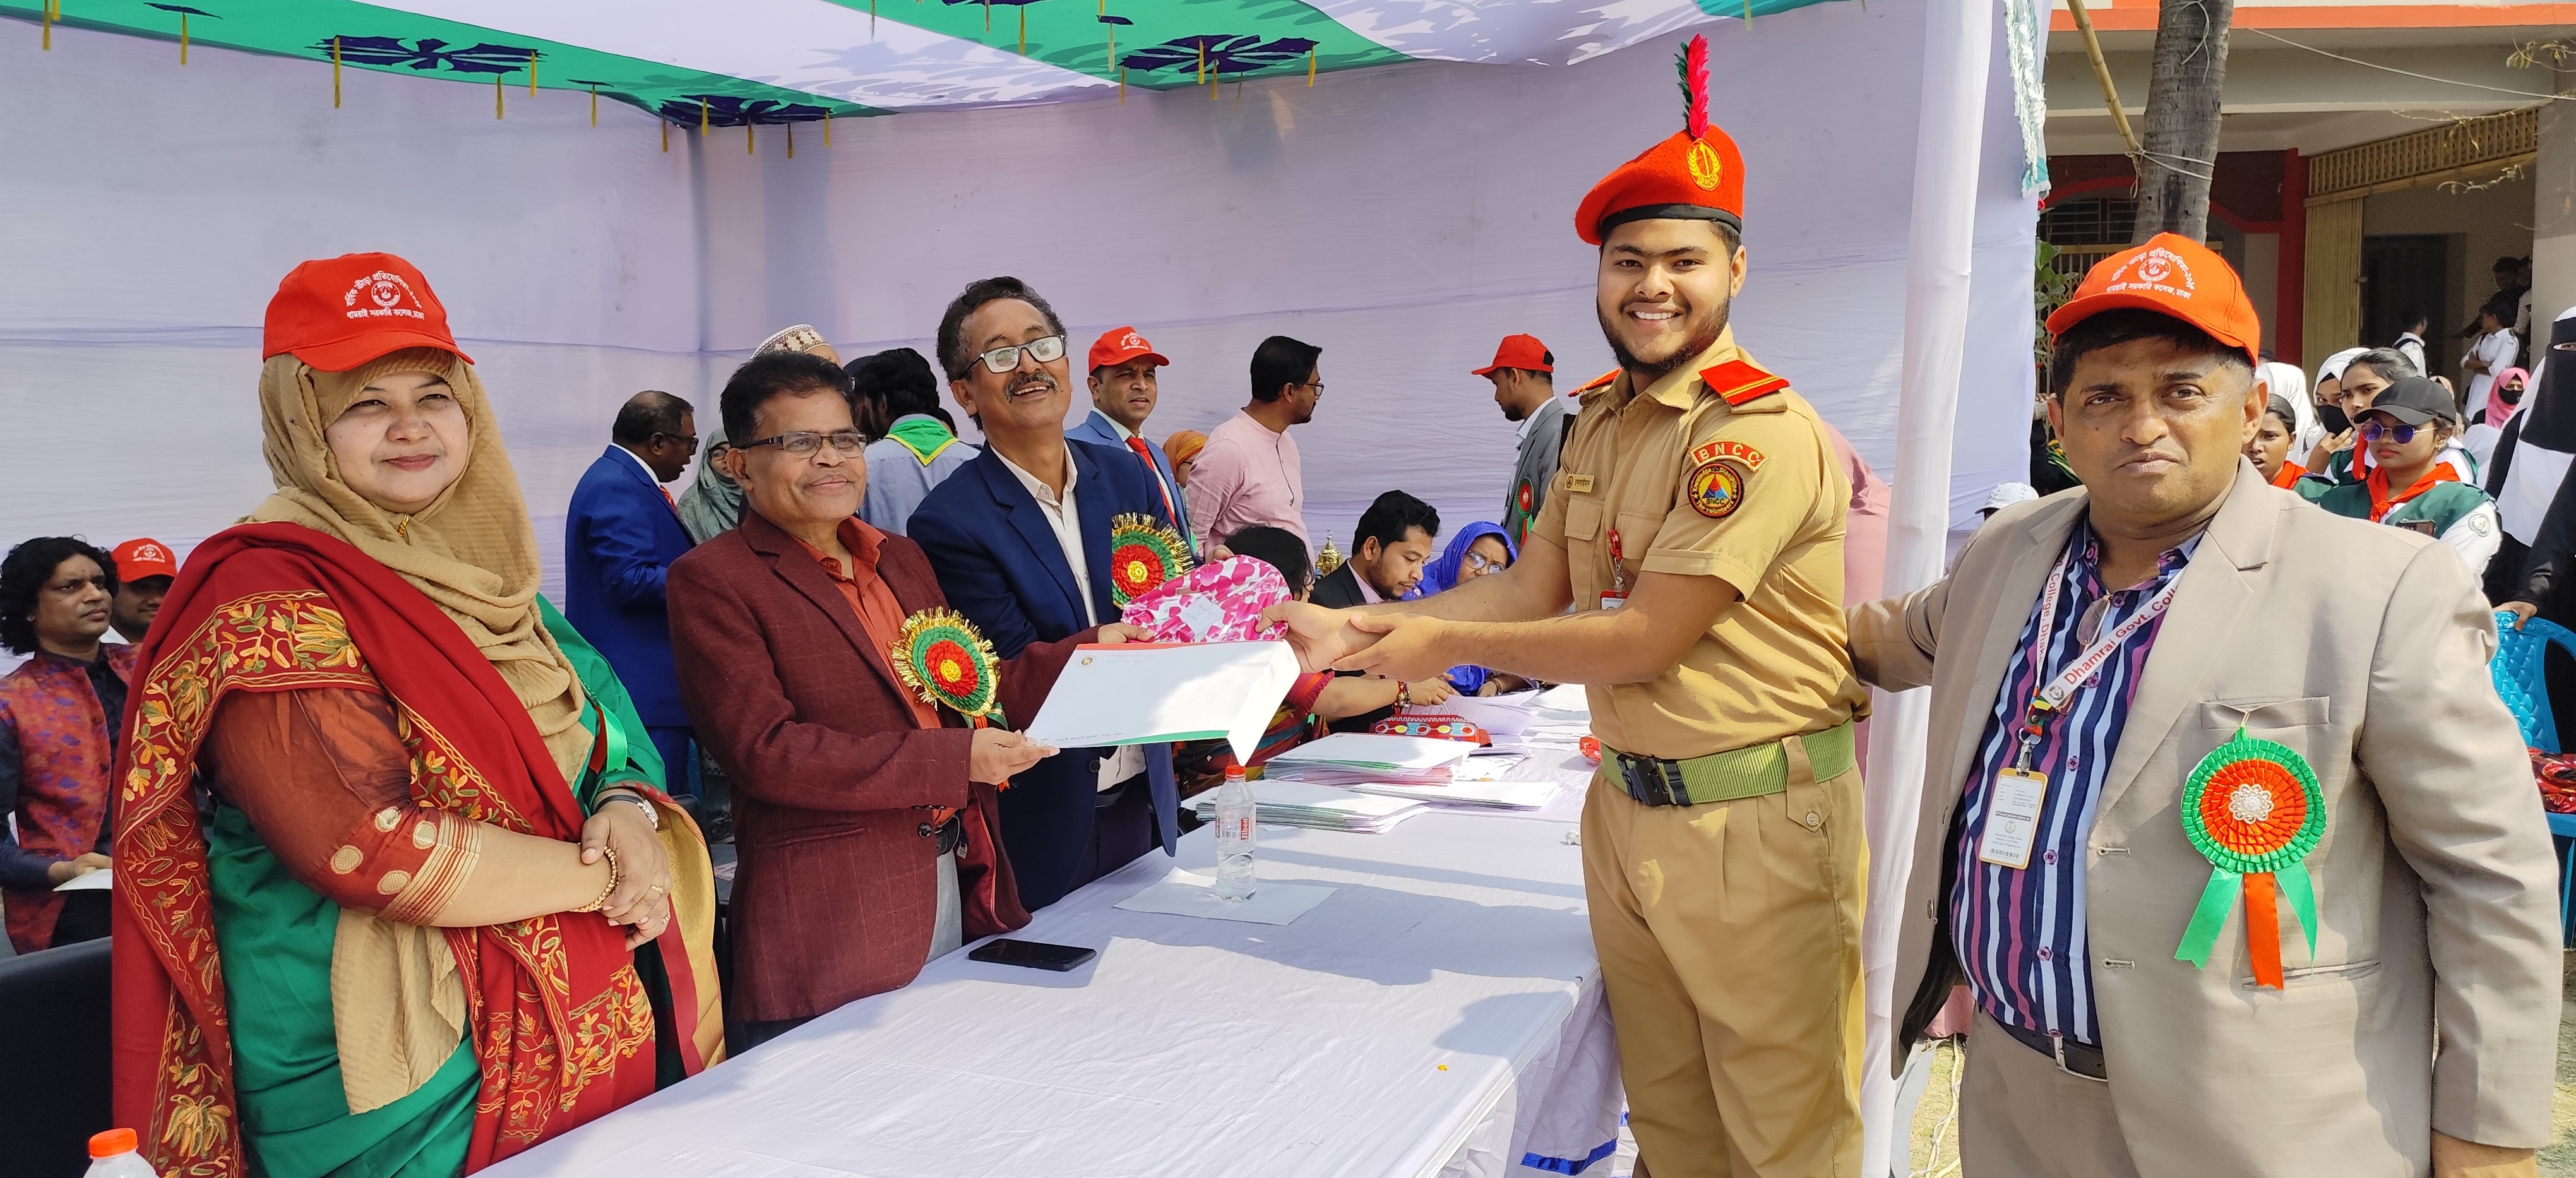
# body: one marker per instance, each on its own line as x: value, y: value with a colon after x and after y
x: 2019, y: 932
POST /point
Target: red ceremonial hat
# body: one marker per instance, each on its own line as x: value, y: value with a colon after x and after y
x: 2172, y: 275
x: 1520, y: 351
x: 1119, y: 345
x: 137, y: 559
x: 338, y: 313
x: 1697, y: 174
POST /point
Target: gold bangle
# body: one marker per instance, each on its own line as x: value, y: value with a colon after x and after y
x: 613, y: 875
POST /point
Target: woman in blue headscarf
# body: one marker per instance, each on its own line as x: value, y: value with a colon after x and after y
x: 1477, y: 549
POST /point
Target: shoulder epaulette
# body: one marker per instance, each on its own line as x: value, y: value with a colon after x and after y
x: 1737, y: 382
x: 1599, y: 382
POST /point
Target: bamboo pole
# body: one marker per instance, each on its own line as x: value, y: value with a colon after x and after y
x: 2102, y: 74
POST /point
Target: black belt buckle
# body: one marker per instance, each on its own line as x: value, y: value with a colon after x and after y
x: 1652, y: 780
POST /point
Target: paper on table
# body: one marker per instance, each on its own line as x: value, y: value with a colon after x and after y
x: 1152, y: 694
x: 1185, y: 893
x: 1372, y: 750
x: 1565, y: 697
x: 1498, y: 715
x: 95, y: 881
x: 1502, y: 795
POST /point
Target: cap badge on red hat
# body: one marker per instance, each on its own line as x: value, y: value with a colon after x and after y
x: 2158, y: 269
x: 1696, y: 173
x: 1705, y: 168
x: 1131, y: 342
x: 386, y: 292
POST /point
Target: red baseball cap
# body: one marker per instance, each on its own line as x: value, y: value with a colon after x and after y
x: 338, y: 313
x: 137, y: 559
x: 1520, y: 351
x: 1119, y: 345
x: 2171, y: 275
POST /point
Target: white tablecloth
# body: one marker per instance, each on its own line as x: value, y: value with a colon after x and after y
x: 1439, y: 1014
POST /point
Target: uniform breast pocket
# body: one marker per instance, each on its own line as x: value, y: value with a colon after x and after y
x: 1583, y: 518
x: 1637, y: 534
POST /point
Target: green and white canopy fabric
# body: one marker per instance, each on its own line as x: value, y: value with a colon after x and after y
x: 785, y: 61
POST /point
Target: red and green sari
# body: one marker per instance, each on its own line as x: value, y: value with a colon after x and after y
x: 562, y: 1023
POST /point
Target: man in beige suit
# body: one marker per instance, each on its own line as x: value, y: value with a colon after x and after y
x: 2394, y: 1007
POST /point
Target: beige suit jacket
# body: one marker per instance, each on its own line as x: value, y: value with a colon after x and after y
x: 2364, y: 648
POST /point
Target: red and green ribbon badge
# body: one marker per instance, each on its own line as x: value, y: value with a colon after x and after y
x: 944, y: 659
x: 1142, y: 555
x: 2254, y: 810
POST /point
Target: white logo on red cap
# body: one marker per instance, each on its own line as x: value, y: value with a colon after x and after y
x: 152, y: 552
x: 386, y: 292
x: 1131, y: 341
x: 2158, y: 269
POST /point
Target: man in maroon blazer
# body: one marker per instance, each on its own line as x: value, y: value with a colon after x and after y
x: 865, y: 826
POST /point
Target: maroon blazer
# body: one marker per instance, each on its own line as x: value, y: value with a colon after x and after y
x: 837, y: 882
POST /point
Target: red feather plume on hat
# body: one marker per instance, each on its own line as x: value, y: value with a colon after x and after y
x: 1694, y: 71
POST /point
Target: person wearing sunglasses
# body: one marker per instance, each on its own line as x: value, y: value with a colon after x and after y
x: 2406, y: 430
x: 1019, y: 538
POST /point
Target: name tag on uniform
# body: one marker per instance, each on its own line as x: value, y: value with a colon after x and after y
x: 1613, y: 599
x: 2012, y: 817
x: 1578, y: 482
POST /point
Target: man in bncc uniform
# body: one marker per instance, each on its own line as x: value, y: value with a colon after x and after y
x: 1696, y: 527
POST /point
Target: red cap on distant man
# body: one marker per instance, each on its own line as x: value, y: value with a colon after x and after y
x: 338, y: 313
x: 137, y: 559
x: 1119, y: 345
x: 1520, y: 351
x: 1697, y: 173
x: 2171, y: 275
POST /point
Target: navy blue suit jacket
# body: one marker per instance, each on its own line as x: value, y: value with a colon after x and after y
x: 1097, y: 429
x: 620, y: 538
x: 999, y: 564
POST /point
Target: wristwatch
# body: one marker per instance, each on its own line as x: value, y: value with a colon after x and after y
x: 650, y: 814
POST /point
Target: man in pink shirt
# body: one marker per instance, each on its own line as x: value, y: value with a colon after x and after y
x: 1248, y: 474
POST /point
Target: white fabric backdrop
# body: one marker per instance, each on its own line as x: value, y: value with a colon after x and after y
x: 1403, y: 218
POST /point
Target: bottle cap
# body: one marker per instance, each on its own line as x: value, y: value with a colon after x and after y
x: 1234, y: 773
x: 111, y: 1143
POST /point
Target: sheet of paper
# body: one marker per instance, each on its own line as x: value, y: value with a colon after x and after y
x: 1498, y: 715
x: 1500, y: 795
x: 1565, y: 697
x: 1152, y: 694
x: 96, y: 881
x: 1371, y: 750
x: 1186, y: 893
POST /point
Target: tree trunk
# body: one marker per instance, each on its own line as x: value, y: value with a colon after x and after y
x: 2181, y: 144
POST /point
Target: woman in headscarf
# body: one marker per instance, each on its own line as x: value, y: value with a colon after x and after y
x: 436, y: 911
x: 2488, y: 426
x: 1182, y: 451
x: 713, y: 504
x: 1477, y: 549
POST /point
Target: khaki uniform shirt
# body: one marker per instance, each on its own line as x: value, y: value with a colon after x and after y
x: 1694, y: 486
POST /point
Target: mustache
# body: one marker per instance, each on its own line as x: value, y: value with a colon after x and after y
x: 1035, y: 380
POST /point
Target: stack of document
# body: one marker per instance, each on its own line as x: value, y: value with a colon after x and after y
x: 1350, y: 758
x: 1291, y: 803
x: 1497, y: 795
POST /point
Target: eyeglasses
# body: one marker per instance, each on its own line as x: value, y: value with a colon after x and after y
x: 2372, y: 431
x: 1316, y: 385
x: 1478, y: 562
x: 807, y: 443
x: 1045, y: 350
x: 688, y: 440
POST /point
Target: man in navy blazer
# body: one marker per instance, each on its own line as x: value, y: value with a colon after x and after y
x: 1019, y: 539
x: 620, y: 538
x: 1123, y: 391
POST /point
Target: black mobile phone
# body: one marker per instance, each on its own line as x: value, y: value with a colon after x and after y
x: 1033, y: 954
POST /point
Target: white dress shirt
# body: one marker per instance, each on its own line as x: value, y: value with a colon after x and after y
x: 1066, y: 520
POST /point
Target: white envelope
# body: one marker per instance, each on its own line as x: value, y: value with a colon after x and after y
x: 1156, y: 694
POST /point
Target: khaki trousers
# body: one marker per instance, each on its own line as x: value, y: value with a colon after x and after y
x: 2022, y: 1116
x: 1729, y: 937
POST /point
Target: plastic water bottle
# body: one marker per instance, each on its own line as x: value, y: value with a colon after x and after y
x: 1235, y: 828
x: 111, y: 1155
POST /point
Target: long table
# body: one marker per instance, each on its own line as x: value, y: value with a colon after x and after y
x: 1439, y: 1014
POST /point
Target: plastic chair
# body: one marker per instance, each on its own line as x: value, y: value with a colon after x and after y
x: 2523, y: 682
x: 2520, y: 678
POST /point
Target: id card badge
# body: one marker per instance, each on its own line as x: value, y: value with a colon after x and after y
x: 1613, y: 599
x: 2012, y: 817
x: 1617, y: 594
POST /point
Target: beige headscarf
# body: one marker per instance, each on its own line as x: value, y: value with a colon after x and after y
x: 397, y: 1005
x: 471, y: 550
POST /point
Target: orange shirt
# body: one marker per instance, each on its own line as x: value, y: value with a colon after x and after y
x: 879, y: 613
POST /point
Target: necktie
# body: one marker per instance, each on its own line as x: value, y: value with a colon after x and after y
x: 1155, y: 473
x: 666, y: 498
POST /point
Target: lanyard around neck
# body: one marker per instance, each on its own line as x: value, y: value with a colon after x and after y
x: 2052, y: 696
